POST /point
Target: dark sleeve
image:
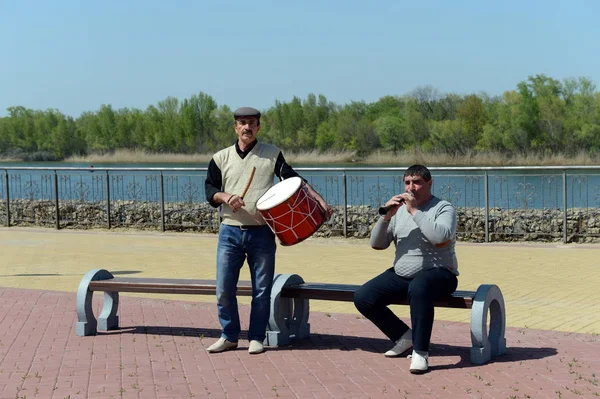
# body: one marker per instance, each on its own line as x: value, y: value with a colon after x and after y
x: 213, y: 182
x: 283, y: 170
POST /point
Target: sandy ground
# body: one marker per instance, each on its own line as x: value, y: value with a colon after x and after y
x: 545, y: 286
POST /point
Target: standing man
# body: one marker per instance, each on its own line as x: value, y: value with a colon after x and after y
x: 243, y: 233
x: 423, y: 230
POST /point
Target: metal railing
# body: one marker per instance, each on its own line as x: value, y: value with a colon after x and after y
x: 536, y: 202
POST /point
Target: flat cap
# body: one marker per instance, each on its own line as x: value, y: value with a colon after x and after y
x: 246, y: 112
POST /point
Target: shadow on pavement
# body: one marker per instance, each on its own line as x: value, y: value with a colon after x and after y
x: 167, y: 330
x: 349, y: 343
x: 512, y: 355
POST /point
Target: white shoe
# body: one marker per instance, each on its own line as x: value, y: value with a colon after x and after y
x: 402, y: 345
x: 221, y: 345
x: 255, y: 347
x: 419, y: 362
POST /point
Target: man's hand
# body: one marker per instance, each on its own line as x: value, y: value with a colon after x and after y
x: 397, y: 200
x: 327, y: 209
x: 235, y: 202
x: 393, y: 204
x: 411, y: 202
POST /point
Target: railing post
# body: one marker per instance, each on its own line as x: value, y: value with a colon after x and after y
x: 6, y: 188
x: 564, y: 195
x: 162, y: 203
x: 486, y: 200
x: 345, y: 191
x: 108, y: 224
x: 56, y: 200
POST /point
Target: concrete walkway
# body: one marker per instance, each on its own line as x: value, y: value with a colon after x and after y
x: 547, y: 286
x: 159, y: 352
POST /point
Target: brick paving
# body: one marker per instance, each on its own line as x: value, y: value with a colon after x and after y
x: 159, y: 352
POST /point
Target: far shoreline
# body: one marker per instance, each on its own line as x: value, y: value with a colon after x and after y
x: 379, y: 158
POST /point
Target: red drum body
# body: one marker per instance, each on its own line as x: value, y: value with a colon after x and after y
x: 291, y: 212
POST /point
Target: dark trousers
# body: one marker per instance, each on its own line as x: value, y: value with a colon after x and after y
x: 372, y: 300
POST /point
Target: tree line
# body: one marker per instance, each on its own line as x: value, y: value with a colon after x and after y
x: 542, y: 115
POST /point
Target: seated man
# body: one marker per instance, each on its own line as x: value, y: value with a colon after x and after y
x: 423, y: 229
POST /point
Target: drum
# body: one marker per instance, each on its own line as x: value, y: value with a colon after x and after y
x: 291, y: 211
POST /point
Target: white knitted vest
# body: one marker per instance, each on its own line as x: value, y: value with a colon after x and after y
x: 235, y: 173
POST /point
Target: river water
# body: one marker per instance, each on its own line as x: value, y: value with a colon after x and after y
x: 507, y: 188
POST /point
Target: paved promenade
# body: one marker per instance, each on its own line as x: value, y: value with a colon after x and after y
x: 550, y: 291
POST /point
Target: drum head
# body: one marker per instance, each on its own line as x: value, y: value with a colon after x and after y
x: 278, y: 193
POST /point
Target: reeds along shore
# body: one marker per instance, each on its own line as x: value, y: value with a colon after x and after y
x: 346, y: 157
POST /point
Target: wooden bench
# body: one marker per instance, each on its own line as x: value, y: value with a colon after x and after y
x: 289, y: 306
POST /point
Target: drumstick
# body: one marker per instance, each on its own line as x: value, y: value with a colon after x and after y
x: 249, y: 181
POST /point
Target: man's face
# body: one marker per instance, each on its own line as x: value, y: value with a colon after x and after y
x: 246, y: 129
x: 419, y: 187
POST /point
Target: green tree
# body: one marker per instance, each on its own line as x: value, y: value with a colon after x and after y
x: 326, y: 136
x: 5, y: 146
x: 314, y: 113
x: 197, y: 132
x: 425, y: 98
x: 385, y: 106
x: 448, y: 135
x: 390, y: 130
x: 170, y: 132
x: 582, y: 117
x: 473, y: 118
x: 224, y: 135
x: 21, y: 129
x: 415, y: 125
x: 506, y: 133
x: 65, y: 139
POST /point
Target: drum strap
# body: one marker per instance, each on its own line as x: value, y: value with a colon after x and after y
x: 280, y: 171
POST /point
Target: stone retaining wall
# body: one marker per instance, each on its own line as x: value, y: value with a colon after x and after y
x: 583, y: 225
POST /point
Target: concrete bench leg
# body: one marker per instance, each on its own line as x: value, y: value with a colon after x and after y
x: 289, y: 316
x: 487, y: 298
x: 87, y: 324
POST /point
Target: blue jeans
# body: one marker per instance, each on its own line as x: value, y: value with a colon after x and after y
x: 373, y: 297
x: 256, y: 244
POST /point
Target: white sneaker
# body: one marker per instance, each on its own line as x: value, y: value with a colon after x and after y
x: 221, y: 345
x: 419, y: 362
x: 255, y: 347
x: 402, y: 345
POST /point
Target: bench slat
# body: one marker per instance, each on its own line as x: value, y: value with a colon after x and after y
x: 317, y: 291
x: 164, y: 286
x: 345, y: 293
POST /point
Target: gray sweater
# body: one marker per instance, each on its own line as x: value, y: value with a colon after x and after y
x: 423, y: 241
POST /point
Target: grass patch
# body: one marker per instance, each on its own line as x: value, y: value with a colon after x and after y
x: 140, y: 156
x: 315, y: 157
x: 403, y: 159
x: 6, y: 158
x: 479, y: 159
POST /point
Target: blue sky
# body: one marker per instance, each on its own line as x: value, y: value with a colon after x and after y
x: 75, y: 55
